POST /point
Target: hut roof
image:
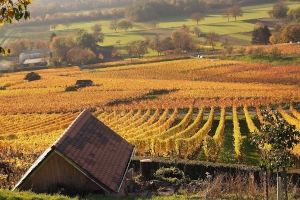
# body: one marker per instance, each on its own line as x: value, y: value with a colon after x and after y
x: 99, y: 152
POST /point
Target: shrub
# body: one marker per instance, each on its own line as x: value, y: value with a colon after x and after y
x: 70, y: 89
x: 32, y: 76
x: 172, y: 175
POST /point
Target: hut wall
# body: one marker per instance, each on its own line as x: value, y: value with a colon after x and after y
x: 56, y: 171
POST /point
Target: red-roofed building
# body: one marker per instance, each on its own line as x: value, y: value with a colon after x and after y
x: 87, y: 157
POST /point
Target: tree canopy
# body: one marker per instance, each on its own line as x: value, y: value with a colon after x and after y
x: 197, y: 17
x: 261, y: 35
x: 13, y: 10
x: 279, y: 11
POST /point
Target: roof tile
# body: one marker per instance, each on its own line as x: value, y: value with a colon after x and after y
x: 97, y: 149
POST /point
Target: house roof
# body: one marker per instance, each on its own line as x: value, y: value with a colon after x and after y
x: 95, y: 149
x: 84, y: 81
x: 34, y: 60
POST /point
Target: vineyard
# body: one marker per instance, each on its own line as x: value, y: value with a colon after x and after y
x: 189, y: 109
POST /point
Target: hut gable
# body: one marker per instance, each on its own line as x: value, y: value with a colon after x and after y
x: 89, y: 150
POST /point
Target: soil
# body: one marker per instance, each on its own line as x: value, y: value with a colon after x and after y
x: 271, y: 23
x: 163, y: 188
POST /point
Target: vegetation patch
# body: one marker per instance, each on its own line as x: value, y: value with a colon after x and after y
x: 32, y: 76
x: 154, y: 94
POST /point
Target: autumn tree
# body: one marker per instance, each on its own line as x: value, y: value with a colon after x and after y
x: 67, y: 24
x: 290, y: 33
x: 226, y: 14
x: 155, y: 44
x: 125, y: 24
x: 85, y: 39
x: 212, y: 38
x: 167, y: 44
x: 181, y: 40
x: 97, y: 32
x: 113, y: 25
x: 59, y: 47
x: 294, y: 15
x: 197, y: 17
x: 41, y: 44
x: 52, y: 35
x: 18, y: 46
x: 196, y: 31
x: 54, y: 26
x: 279, y: 11
x: 154, y: 24
x: 80, y: 56
x: 13, y: 10
x: 261, y: 35
x: 137, y: 48
x: 236, y: 11
x: 275, y: 140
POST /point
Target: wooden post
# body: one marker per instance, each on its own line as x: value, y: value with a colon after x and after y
x: 146, y: 168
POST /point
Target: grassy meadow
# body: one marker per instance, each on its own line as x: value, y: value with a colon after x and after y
x: 213, y: 22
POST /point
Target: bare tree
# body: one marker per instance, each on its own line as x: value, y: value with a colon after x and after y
x: 236, y: 11
x: 154, y: 24
x: 197, y: 17
x: 212, y: 38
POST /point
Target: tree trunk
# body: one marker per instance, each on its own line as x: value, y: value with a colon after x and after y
x: 266, y: 184
x: 285, y: 183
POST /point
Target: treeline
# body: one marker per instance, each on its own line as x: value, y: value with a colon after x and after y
x: 135, y: 10
x: 42, y: 8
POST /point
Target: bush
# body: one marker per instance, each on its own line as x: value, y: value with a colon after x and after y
x: 172, y: 175
x: 70, y: 89
x: 32, y: 76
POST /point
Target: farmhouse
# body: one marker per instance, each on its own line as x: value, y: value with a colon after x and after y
x: 36, y: 56
x: 87, y: 157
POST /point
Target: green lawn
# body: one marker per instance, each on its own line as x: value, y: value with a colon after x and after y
x: 212, y: 22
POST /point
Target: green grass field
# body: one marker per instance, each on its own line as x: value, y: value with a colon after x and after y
x: 212, y: 22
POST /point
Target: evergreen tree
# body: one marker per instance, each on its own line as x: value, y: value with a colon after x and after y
x: 261, y: 35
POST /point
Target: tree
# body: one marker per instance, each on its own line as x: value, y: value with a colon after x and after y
x: 41, y: 44
x: 67, y: 24
x: 137, y: 48
x: 155, y: 44
x: 125, y: 24
x: 181, y: 40
x: 290, y: 33
x: 167, y: 44
x: 96, y: 32
x: 59, y: 47
x: 52, y: 35
x: 54, y: 26
x: 154, y: 24
x: 196, y: 31
x: 85, y: 39
x: 273, y: 39
x: 13, y: 10
x: 236, y: 11
x: 197, y: 17
x: 212, y: 38
x: 80, y: 56
x: 261, y: 35
x: 274, y: 141
x: 18, y: 46
x: 279, y: 11
x: 226, y: 14
x: 113, y: 25
x: 294, y: 15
